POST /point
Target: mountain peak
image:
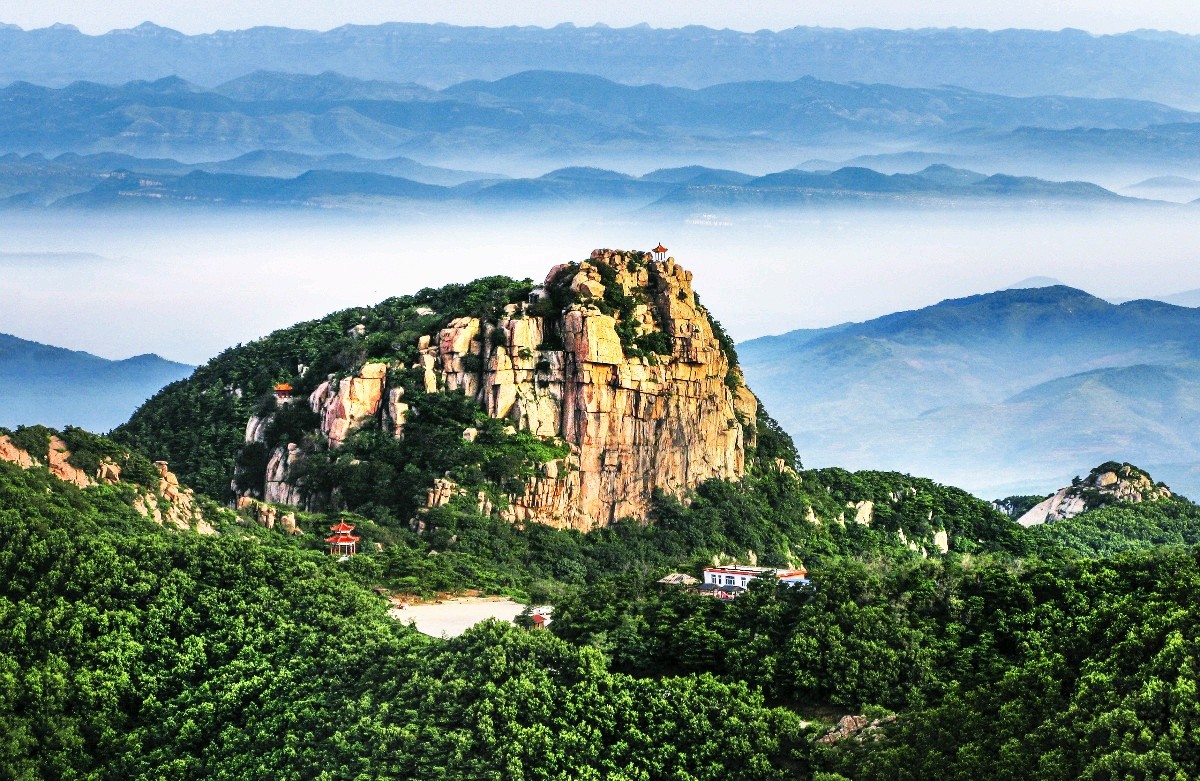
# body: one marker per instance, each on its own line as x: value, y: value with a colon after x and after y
x: 1034, y: 282
x: 581, y: 397
x: 1110, y: 482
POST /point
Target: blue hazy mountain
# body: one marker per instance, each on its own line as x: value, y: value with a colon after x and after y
x: 34, y: 180
x: 935, y: 186
x: 563, y: 116
x: 1143, y: 64
x: 1000, y: 393
x: 1169, y: 188
x: 1169, y: 145
x: 202, y: 188
x: 665, y: 192
x: 57, y: 387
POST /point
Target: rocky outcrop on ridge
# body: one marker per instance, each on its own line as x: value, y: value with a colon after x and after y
x: 858, y: 728
x: 168, y: 504
x: 666, y: 414
x: 1107, y: 483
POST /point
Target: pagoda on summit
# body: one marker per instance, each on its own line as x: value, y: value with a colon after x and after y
x: 342, y: 542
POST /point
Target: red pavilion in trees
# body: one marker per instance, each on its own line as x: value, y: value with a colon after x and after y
x: 660, y: 252
x: 342, y: 542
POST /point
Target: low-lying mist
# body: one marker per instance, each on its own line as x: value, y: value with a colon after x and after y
x: 186, y: 286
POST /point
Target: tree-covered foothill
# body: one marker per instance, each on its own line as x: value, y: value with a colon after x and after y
x: 1064, y: 651
x: 1116, y: 528
x: 131, y: 652
x: 1101, y: 683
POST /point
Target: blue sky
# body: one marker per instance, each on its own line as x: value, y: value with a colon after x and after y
x: 193, y: 17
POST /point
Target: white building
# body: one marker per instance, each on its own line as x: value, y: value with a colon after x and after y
x: 739, y: 575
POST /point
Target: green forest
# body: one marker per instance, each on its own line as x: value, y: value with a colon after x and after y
x: 967, y: 646
x: 1067, y: 651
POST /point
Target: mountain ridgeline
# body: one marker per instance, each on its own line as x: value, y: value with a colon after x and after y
x: 544, y: 120
x: 571, y: 403
x: 52, y: 386
x: 1000, y: 393
x: 1144, y: 64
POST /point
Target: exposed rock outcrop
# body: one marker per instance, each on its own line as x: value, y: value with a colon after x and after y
x: 278, y: 487
x: 636, y: 420
x: 59, y: 464
x: 859, y: 728
x: 346, y: 404
x: 269, y: 516
x: 15, y: 455
x: 1107, y: 483
x: 169, y: 503
x: 172, y: 503
x: 864, y: 512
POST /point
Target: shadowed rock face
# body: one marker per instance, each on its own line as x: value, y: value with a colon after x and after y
x: 1106, y: 483
x: 635, y: 423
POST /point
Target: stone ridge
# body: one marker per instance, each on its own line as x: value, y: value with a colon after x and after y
x: 1107, y: 483
x: 636, y: 421
x: 171, y: 503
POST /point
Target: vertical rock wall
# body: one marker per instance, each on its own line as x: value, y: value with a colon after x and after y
x: 634, y: 423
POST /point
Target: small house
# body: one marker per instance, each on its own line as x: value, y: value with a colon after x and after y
x: 740, y: 575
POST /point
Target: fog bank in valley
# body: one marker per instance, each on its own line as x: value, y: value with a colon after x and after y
x: 186, y: 286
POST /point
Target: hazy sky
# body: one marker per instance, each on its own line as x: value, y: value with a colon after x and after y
x: 192, y: 17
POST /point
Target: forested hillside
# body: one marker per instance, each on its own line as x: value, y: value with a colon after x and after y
x: 935, y: 637
x: 130, y: 651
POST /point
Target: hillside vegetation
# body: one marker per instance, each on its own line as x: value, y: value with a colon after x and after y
x: 935, y: 638
x: 130, y: 651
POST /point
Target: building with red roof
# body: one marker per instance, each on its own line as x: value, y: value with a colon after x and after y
x: 342, y: 542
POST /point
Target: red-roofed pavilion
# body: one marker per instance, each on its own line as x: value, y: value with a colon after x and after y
x: 342, y: 542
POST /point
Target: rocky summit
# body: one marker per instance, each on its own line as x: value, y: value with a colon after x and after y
x: 612, y: 357
x: 1106, y: 484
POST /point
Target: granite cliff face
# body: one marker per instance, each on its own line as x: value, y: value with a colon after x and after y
x: 612, y: 356
x: 1107, y: 483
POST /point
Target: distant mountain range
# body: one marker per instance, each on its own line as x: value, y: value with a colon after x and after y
x: 57, y: 387
x: 73, y: 181
x: 1167, y: 188
x: 1008, y: 392
x: 1144, y: 64
x: 544, y: 119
